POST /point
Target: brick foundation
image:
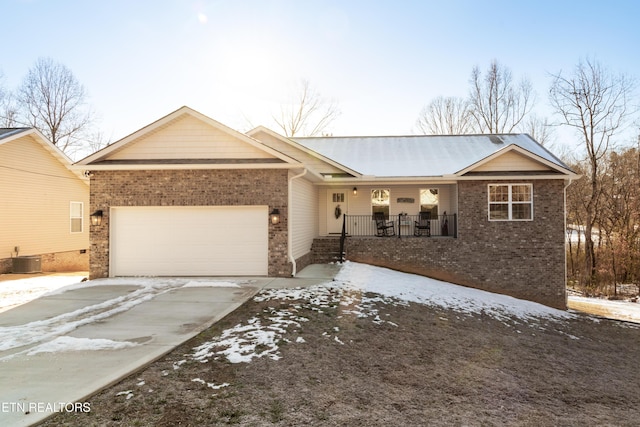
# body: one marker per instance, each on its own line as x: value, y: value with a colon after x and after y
x: 55, y: 262
x: 524, y: 259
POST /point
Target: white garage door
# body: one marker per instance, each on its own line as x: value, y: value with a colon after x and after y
x: 189, y: 241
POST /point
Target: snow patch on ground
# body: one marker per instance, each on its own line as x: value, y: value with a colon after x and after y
x: 21, y: 291
x: 424, y: 290
x: 357, y: 290
x: 78, y: 344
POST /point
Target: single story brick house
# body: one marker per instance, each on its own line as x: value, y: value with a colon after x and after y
x: 44, y: 206
x: 187, y: 195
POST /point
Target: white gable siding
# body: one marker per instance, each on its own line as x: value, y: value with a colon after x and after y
x: 509, y: 162
x: 35, y: 205
x: 189, y: 138
x: 304, y: 212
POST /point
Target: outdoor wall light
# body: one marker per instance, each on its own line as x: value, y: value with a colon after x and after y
x: 96, y: 218
x: 355, y: 191
x: 274, y: 216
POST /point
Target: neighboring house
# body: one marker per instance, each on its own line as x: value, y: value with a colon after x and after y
x: 44, y: 206
x: 187, y: 195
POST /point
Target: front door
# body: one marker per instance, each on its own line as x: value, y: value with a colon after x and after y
x: 336, y: 208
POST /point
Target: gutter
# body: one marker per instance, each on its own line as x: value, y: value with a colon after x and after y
x: 290, y: 223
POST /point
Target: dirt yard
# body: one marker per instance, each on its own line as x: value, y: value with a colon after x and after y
x: 379, y: 363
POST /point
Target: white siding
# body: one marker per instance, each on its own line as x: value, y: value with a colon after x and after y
x: 304, y: 214
x: 189, y: 241
x: 189, y: 138
x: 36, y: 193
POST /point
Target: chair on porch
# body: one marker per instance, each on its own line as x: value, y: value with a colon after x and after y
x: 423, y: 225
x: 383, y: 227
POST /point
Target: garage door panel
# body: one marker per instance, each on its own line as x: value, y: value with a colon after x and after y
x: 189, y: 241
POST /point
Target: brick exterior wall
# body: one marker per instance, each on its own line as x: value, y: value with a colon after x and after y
x: 524, y: 259
x: 55, y: 262
x: 189, y: 188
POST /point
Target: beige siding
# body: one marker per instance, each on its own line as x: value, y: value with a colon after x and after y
x: 304, y: 212
x: 189, y: 138
x: 312, y: 162
x: 510, y: 162
x: 35, y: 208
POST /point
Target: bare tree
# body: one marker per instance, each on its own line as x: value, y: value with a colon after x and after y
x: 446, y: 116
x: 539, y: 129
x: 54, y: 102
x: 308, y: 113
x: 8, y: 110
x: 498, y: 105
x: 594, y: 103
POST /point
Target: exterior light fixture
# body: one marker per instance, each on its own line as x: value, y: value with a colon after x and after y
x: 355, y: 191
x: 96, y: 218
x: 274, y: 216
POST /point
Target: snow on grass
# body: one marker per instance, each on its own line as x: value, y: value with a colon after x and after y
x: 621, y: 310
x: 424, y: 290
x: 357, y: 290
x: 213, y: 386
x: 128, y: 394
x: 21, y: 291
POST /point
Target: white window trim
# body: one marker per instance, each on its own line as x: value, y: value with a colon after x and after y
x: 71, y: 217
x: 509, y: 202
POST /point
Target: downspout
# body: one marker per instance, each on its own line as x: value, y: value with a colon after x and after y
x: 290, y: 223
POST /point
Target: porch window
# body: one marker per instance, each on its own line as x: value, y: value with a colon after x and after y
x: 76, y: 217
x: 380, y: 202
x: 510, y: 202
x: 429, y: 199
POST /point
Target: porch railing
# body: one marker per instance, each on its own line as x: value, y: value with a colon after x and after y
x: 404, y: 225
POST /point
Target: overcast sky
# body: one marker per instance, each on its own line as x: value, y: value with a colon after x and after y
x: 236, y: 60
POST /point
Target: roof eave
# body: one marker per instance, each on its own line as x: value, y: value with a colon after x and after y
x: 180, y: 166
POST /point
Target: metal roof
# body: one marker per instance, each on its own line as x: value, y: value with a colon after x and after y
x: 7, y: 132
x: 419, y: 155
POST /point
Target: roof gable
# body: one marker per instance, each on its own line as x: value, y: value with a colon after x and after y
x: 187, y: 137
x: 317, y: 164
x: 513, y: 159
x: 34, y: 144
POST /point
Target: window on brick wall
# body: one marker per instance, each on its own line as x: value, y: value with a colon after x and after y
x: 510, y: 202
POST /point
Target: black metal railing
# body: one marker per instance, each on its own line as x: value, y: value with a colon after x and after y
x: 403, y: 226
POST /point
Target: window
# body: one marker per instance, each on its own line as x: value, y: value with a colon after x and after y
x: 429, y: 201
x: 76, y: 217
x: 380, y: 202
x: 510, y: 202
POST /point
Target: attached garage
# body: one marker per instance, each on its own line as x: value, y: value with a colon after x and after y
x: 189, y: 241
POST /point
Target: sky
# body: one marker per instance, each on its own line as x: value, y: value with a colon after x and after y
x: 238, y: 61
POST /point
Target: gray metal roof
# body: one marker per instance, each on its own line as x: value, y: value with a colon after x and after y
x: 419, y: 156
x: 7, y: 132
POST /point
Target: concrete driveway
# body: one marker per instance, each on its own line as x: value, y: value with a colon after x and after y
x: 60, y: 349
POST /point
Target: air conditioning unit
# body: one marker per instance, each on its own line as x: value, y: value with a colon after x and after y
x: 27, y: 264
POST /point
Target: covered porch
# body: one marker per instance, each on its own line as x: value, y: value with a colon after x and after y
x: 401, y: 226
x: 412, y: 209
